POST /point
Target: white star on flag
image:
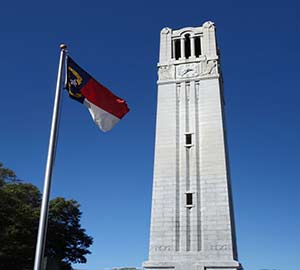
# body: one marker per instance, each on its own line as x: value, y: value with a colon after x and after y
x: 73, y: 82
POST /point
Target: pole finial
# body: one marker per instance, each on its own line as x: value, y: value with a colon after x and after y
x: 63, y: 46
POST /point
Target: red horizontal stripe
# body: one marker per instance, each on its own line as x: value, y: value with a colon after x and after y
x: 104, y: 98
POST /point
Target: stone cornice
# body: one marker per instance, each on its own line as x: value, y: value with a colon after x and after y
x: 199, y: 78
x: 190, y: 60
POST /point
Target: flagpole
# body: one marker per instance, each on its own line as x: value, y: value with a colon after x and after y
x: 42, y: 232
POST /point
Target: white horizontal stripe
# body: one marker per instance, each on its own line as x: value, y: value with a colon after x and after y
x: 103, y: 119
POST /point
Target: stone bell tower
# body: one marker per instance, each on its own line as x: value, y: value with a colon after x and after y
x: 192, y: 222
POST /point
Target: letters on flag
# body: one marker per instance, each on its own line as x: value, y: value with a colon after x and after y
x: 105, y: 107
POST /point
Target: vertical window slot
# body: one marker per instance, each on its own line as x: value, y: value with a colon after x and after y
x: 188, y: 139
x: 177, y: 48
x: 187, y: 46
x: 197, y: 46
x: 189, y: 199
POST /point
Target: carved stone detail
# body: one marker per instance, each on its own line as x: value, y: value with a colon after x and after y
x: 165, y: 30
x: 166, y: 72
x: 208, y: 24
x: 160, y: 248
x: 209, y: 67
x: 187, y: 70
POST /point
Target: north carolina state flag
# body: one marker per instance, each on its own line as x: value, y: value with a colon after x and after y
x: 106, y: 108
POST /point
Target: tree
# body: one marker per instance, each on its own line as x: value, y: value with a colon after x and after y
x: 67, y: 242
x: 6, y: 174
x: 19, y: 212
x: 20, y: 203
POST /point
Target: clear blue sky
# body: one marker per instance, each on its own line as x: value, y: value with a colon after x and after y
x: 110, y: 174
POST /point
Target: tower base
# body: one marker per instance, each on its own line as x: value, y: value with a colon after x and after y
x: 204, y: 265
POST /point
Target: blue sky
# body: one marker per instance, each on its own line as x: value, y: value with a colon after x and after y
x: 110, y: 174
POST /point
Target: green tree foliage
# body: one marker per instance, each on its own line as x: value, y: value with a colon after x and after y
x: 20, y: 203
x: 6, y: 174
x: 67, y: 241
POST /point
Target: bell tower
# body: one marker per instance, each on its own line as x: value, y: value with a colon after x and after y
x: 192, y: 222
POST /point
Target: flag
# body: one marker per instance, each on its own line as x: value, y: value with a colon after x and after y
x: 105, y: 107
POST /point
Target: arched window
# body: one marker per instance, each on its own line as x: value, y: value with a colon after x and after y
x: 187, y: 45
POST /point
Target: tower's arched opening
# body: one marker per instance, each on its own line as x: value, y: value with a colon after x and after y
x: 187, y: 45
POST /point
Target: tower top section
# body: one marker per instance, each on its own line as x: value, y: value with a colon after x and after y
x: 188, y: 53
x: 189, y: 44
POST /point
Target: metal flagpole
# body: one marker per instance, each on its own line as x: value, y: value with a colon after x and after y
x: 41, y: 239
